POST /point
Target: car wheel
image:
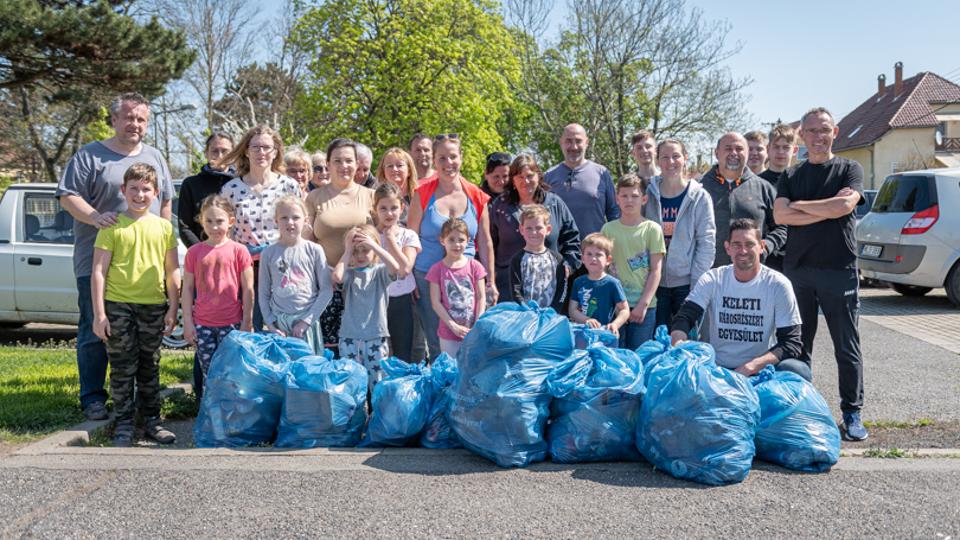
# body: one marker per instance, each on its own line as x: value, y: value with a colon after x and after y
x: 952, y: 285
x: 911, y: 290
x: 175, y: 339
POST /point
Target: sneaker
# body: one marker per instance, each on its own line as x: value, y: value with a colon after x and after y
x: 853, y: 429
x: 96, y: 411
x: 159, y: 433
x: 123, y: 435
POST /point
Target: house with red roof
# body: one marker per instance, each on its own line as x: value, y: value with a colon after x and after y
x: 912, y: 124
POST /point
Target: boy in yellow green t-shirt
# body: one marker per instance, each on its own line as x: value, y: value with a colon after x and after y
x: 135, y: 287
x: 638, y: 250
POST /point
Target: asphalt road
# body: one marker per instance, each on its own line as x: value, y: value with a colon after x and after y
x: 144, y: 493
x: 453, y: 495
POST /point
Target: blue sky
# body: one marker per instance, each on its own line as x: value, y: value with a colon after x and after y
x: 809, y: 53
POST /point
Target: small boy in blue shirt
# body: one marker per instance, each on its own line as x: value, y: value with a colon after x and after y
x: 598, y: 299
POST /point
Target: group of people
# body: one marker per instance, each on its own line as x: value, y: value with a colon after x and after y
x: 402, y: 261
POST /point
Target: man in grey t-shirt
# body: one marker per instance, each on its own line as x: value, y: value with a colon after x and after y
x: 753, y: 315
x: 90, y: 191
x: 585, y: 186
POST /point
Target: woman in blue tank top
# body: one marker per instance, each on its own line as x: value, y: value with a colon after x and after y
x: 447, y: 196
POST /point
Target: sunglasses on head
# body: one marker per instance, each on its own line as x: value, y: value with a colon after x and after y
x: 446, y: 136
x: 498, y: 158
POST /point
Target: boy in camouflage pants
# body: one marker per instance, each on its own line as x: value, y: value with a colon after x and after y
x: 135, y: 287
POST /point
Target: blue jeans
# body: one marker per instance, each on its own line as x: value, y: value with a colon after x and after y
x: 633, y: 335
x: 799, y: 367
x: 428, y: 318
x: 91, y: 351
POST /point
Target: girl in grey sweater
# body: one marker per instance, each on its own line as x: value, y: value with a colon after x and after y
x: 684, y: 211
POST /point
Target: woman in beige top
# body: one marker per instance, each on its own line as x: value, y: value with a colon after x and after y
x: 332, y: 210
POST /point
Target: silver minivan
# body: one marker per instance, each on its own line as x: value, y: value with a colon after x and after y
x: 911, y: 237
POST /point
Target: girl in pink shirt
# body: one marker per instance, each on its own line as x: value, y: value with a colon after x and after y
x: 219, y: 272
x: 457, y: 290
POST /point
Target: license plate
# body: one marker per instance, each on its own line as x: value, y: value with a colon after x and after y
x: 871, y: 250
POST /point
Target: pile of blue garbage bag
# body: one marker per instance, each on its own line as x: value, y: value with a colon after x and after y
x: 698, y: 419
x: 243, y: 395
x: 597, y: 393
x: 324, y: 403
x: 526, y: 385
x: 796, y: 428
x: 499, y: 400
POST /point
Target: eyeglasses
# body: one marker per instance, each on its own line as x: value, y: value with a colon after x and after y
x: 319, y: 169
x: 263, y: 149
x: 446, y: 136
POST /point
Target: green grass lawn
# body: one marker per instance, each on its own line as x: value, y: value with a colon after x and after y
x: 39, y: 389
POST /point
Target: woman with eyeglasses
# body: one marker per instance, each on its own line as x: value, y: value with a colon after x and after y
x: 448, y: 195
x: 526, y: 186
x: 496, y: 174
x: 397, y: 167
x: 198, y: 187
x: 321, y: 176
x: 332, y: 210
x: 260, y: 182
x: 298, y: 165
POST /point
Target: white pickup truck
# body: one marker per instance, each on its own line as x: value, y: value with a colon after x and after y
x: 36, y: 260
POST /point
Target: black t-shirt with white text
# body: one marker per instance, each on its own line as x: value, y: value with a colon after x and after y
x: 828, y: 244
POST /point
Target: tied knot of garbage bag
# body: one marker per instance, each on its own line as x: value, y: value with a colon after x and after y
x: 499, y: 401
x: 697, y: 420
x: 597, y: 395
x: 796, y: 429
x: 244, y: 389
x: 583, y: 336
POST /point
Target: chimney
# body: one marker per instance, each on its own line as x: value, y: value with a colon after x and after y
x: 898, y: 78
x: 881, y: 85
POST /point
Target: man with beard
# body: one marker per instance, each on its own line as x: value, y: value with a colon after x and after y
x: 585, y: 186
x: 90, y: 191
x: 421, y: 149
x: 751, y: 309
x: 738, y: 193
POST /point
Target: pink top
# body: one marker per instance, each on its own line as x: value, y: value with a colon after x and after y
x: 458, y: 288
x: 216, y: 277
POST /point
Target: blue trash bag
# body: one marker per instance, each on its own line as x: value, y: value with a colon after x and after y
x: 499, y: 401
x: 438, y: 433
x: 583, y: 336
x: 243, y: 393
x: 401, y: 403
x: 698, y: 420
x: 796, y: 428
x: 324, y: 403
x: 652, y: 348
x: 597, y: 400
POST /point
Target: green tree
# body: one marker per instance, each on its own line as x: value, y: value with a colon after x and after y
x: 382, y: 70
x: 621, y: 66
x: 60, y: 61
